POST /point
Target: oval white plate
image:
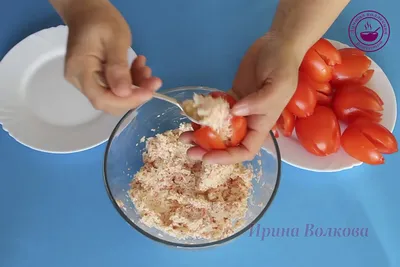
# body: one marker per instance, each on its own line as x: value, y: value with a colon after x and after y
x: 294, y: 154
x: 38, y: 107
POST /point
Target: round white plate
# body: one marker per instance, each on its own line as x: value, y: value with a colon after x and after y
x: 41, y: 110
x: 294, y: 154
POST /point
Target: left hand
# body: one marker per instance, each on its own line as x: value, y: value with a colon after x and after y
x: 265, y: 82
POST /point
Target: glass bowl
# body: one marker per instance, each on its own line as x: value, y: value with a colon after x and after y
x: 123, y: 158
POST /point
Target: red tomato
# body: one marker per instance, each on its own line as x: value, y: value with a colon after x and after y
x: 351, y: 51
x: 226, y: 96
x: 206, y: 138
x: 358, y: 146
x: 353, y: 68
x: 327, y: 51
x: 324, y: 88
x: 285, y: 123
x: 316, y: 67
x: 303, y: 101
x: 365, y: 78
x: 381, y: 137
x: 323, y: 91
x: 195, y: 126
x: 239, y: 130
x: 275, y: 131
x: 357, y: 101
x: 319, y: 134
x: 324, y: 100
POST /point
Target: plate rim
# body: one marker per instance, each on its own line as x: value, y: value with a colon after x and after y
x: 8, y: 130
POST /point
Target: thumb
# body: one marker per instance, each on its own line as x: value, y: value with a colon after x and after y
x: 253, y: 104
x: 118, y: 70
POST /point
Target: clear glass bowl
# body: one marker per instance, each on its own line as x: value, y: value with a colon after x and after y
x: 123, y: 158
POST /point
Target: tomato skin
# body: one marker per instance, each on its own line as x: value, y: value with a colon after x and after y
x: 316, y: 67
x: 195, y: 126
x: 230, y: 99
x: 358, y: 146
x: 352, y: 68
x: 324, y: 88
x: 285, y: 123
x: 304, y: 100
x: 319, y: 133
x: 239, y: 130
x: 357, y: 101
x: 206, y: 138
x: 275, y: 131
x: 324, y: 100
x: 351, y: 51
x: 327, y: 51
x: 381, y: 137
x: 364, y: 79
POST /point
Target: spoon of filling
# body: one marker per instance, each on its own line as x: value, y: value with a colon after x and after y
x: 186, y: 107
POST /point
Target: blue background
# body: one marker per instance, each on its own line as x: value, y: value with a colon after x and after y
x: 54, y: 210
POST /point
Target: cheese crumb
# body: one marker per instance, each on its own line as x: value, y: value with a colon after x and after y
x: 186, y: 198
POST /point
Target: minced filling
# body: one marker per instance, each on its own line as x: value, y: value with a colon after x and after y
x: 187, y: 198
x: 212, y: 112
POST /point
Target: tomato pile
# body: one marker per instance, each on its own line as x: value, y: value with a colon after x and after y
x: 208, y: 139
x: 332, y: 88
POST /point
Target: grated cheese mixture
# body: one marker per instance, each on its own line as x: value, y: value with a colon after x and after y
x: 213, y: 112
x: 186, y: 198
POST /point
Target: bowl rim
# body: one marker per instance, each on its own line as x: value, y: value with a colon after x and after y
x: 175, y: 244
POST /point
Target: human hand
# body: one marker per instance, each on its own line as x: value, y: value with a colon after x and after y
x: 98, y: 42
x: 265, y: 82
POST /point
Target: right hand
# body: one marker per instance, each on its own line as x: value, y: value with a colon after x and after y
x: 98, y: 42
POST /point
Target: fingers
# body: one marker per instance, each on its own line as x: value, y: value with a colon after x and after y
x: 139, y: 71
x: 196, y: 153
x: 186, y: 137
x: 117, y: 69
x: 83, y: 72
x: 141, y: 75
x: 258, y: 127
x: 152, y: 84
x: 253, y: 103
x: 250, y: 146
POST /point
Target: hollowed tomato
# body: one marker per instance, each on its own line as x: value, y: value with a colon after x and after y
x: 366, y: 141
x: 357, y: 101
x: 319, y: 133
x: 208, y: 139
x: 327, y: 51
x: 303, y: 101
x: 285, y: 123
x: 353, y: 69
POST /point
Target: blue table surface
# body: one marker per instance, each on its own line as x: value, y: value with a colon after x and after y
x: 54, y: 210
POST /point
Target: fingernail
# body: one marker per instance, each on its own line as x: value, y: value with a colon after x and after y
x: 240, y: 110
x: 185, y: 140
x: 195, y: 157
x: 122, y: 90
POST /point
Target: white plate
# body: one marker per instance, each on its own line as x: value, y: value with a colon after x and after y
x: 38, y: 107
x: 294, y: 154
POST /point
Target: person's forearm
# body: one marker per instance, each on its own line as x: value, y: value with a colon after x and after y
x: 68, y: 8
x: 302, y: 22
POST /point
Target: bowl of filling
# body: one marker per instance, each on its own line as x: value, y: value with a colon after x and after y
x: 175, y: 200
